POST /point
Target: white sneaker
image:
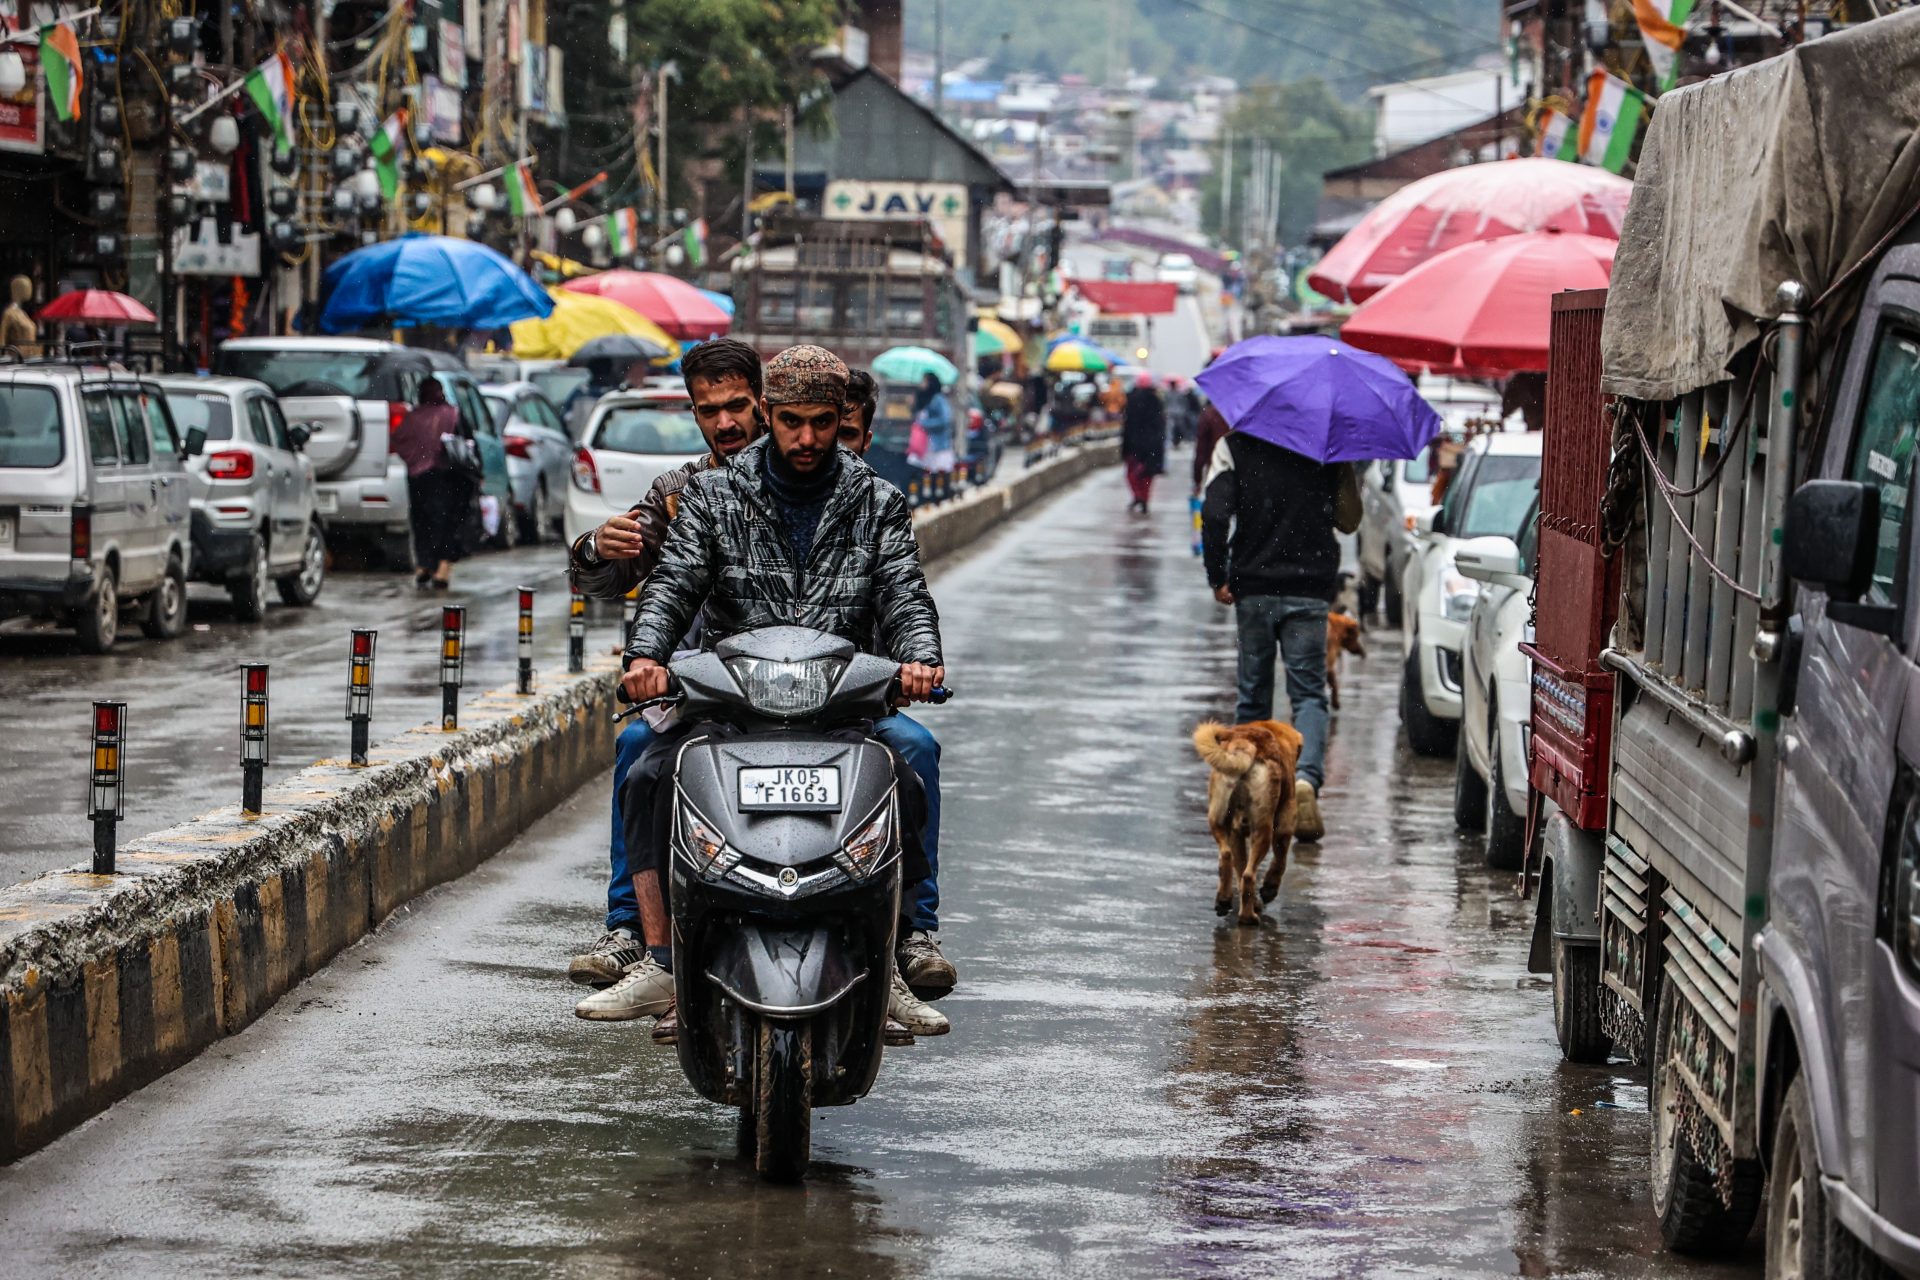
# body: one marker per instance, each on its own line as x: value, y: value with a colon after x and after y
x: 645, y: 990
x: 606, y: 961
x: 913, y: 1013
x: 1307, y: 826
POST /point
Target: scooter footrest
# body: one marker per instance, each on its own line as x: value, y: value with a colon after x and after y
x: 896, y: 1035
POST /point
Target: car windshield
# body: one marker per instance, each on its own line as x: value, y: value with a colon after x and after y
x: 1419, y: 470
x: 203, y: 409
x: 30, y: 434
x: 1503, y: 489
x: 629, y: 429
x: 306, y: 372
x: 558, y: 384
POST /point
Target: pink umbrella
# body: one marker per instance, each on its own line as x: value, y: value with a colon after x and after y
x: 1483, y: 307
x: 673, y: 304
x: 97, y: 306
x: 1460, y: 206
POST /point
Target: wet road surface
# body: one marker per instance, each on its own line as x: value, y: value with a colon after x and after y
x: 1364, y: 1086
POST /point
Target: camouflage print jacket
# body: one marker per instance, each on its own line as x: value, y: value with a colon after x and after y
x: 727, y: 549
x: 613, y: 579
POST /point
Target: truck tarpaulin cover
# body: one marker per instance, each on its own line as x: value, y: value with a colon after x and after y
x: 1128, y: 298
x: 1791, y: 169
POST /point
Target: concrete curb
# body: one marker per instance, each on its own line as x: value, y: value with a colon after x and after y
x: 107, y: 982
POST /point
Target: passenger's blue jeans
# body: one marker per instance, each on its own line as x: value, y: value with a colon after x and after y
x: 905, y: 735
x: 1297, y: 627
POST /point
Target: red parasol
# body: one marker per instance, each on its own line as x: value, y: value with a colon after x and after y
x: 1483, y: 307
x: 673, y: 304
x: 97, y: 306
x: 1460, y: 206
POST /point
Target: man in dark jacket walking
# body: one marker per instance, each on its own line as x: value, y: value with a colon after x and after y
x: 1267, y: 528
x: 1143, y: 439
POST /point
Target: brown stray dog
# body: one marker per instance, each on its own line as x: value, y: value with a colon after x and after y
x: 1250, y: 806
x: 1343, y: 632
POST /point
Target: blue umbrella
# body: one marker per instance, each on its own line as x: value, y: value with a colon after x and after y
x: 719, y: 300
x: 1321, y: 398
x: 435, y: 280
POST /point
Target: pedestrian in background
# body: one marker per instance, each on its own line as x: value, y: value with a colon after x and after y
x: 1209, y: 430
x: 930, y: 447
x: 1143, y: 439
x: 440, y: 483
x: 1267, y: 531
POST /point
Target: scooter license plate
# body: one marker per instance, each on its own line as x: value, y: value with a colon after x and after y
x: 795, y: 788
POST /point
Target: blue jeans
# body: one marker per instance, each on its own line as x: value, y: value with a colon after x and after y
x: 905, y: 735
x: 1297, y: 627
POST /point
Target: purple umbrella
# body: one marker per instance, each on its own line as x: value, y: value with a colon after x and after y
x: 1321, y: 398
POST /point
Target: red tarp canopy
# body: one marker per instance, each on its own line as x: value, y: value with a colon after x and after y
x: 1129, y: 297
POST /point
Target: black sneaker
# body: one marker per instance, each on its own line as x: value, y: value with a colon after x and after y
x: 928, y: 972
x: 606, y: 961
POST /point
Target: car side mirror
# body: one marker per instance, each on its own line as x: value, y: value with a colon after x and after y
x: 1493, y: 560
x: 298, y: 434
x: 196, y: 441
x: 1830, y: 543
x: 1426, y: 523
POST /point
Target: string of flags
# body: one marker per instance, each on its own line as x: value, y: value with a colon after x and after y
x: 1603, y: 135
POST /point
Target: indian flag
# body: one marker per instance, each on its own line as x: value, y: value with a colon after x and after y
x: 522, y: 199
x: 1663, y: 27
x: 623, y: 232
x: 1610, y: 122
x: 1557, y: 137
x: 60, y: 55
x: 695, y: 240
x: 385, y: 145
x: 270, y: 85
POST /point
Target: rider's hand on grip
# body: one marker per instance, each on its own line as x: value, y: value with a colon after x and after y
x: 917, y: 680
x: 645, y: 679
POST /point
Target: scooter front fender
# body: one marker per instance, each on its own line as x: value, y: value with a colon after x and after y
x: 783, y: 973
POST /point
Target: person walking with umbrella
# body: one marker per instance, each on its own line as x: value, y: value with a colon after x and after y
x: 1278, y: 486
x: 934, y: 418
x: 439, y: 489
x: 1143, y: 440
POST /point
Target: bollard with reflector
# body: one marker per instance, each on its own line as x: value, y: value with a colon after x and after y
x: 576, y: 631
x: 360, y: 691
x: 253, y: 736
x: 453, y: 663
x: 106, y: 800
x: 526, y: 639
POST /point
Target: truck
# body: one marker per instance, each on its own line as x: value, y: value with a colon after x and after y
x: 1725, y: 726
x: 860, y: 288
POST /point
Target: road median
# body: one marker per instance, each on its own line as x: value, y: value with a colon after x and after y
x: 107, y: 982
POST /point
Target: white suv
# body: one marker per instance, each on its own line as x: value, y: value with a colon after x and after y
x: 1497, y: 480
x: 1490, y: 767
x: 631, y: 438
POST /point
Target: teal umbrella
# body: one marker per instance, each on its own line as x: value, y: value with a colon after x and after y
x: 911, y: 364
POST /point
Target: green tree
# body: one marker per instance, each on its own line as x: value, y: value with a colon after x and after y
x: 1311, y: 131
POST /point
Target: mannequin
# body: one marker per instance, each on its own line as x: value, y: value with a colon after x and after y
x: 17, y: 328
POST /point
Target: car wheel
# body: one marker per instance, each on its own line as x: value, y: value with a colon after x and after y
x: 302, y: 588
x: 1396, y: 613
x: 167, y: 606
x: 1686, y: 1193
x: 1469, y: 790
x: 509, y: 536
x: 1427, y: 733
x: 1506, y: 830
x: 534, y: 519
x: 1576, y: 1002
x: 249, y: 587
x: 98, y: 620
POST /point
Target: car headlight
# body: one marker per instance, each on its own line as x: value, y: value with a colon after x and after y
x: 1457, y: 594
x: 703, y: 846
x: 866, y: 848
x: 786, y: 688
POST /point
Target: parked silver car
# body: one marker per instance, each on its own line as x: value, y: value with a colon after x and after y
x: 93, y: 501
x: 539, y: 456
x: 254, y: 521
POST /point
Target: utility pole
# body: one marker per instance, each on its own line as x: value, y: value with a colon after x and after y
x: 1226, y: 181
x: 746, y: 191
x: 788, y: 179
x: 667, y: 72
x: 940, y: 58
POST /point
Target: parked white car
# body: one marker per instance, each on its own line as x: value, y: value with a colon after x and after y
x: 631, y: 438
x: 539, y: 456
x: 1498, y: 477
x: 1178, y: 269
x: 1490, y: 765
x: 252, y: 489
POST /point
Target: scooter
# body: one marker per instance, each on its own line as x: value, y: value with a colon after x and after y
x: 785, y: 879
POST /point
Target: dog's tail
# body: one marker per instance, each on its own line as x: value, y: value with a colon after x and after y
x: 1230, y: 758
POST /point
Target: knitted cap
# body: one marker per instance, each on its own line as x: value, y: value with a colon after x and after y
x: 806, y: 374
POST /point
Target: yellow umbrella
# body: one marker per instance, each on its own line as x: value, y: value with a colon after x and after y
x: 995, y: 336
x: 579, y: 318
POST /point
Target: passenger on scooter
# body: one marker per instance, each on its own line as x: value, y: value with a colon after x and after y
x: 821, y: 488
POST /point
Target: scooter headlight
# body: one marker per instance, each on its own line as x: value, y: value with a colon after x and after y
x: 703, y: 846
x: 786, y: 688
x: 867, y: 847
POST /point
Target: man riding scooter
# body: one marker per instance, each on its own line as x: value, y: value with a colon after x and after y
x: 644, y: 984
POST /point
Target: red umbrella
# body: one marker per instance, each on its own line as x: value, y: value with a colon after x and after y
x: 673, y: 304
x: 1483, y: 307
x: 97, y: 306
x: 1459, y: 206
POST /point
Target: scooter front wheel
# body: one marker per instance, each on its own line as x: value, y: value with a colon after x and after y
x: 783, y: 1099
